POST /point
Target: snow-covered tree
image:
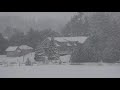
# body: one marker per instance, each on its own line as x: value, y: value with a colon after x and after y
x: 103, y: 43
x: 53, y: 53
x: 77, y: 26
x: 3, y: 44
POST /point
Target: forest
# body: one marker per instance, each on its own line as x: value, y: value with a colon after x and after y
x: 103, y: 30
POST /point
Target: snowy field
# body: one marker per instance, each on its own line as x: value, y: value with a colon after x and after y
x: 61, y: 71
x: 86, y: 70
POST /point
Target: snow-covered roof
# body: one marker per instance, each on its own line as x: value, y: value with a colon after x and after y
x: 12, y: 48
x: 57, y: 44
x: 75, y: 44
x: 80, y: 39
x: 68, y: 44
x: 25, y: 47
x: 5, y: 37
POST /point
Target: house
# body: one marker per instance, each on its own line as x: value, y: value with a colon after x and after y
x: 17, y: 51
x: 25, y: 49
x: 13, y: 51
x: 65, y: 59
x: 65, y: 45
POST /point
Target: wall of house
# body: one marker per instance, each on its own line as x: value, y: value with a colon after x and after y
x: 24, y: 52
x: 13, y: 54
x: 66, y: 50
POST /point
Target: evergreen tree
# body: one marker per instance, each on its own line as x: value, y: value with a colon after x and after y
x: 77, y: 26
x: 3, y: 44
x: 103, y: 43
x: 53, y: 53
x: 34, y: 36
x: 17, y: 39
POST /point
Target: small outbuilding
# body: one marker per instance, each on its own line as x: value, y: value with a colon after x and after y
x: 17, y: 51
x: 25, y: 49
x: 13, y: 51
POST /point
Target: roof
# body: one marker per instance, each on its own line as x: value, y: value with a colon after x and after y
x: 68, y: 44
x: 57, y: 44
x: 25, y: 47
x: 80, y: 39
x: 12, y: 48
x: 5, y: 37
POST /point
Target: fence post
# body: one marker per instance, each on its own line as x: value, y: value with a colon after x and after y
x: 7, y: 64
x: 19, y: 64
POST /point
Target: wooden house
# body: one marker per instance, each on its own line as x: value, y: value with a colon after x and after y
x: 17, y: 51
x: 13, y: 51
x: 25, y: 49
x: 65, y: 45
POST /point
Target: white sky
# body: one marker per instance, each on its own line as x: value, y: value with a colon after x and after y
x: 61, y: 15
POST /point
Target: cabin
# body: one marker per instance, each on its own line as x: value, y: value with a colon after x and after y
x: 17, y: 51
x: 65, y: 45
x: 13, y: 51
x: 25, y: 50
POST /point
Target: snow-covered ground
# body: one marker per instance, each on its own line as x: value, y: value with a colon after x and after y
x: 86, y: 70
x: 61, y: 71
x: 22, y: 59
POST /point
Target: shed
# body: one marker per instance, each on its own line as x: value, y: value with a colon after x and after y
x: 17, y: 51
x: 25, y: 49
x: 13, y: 51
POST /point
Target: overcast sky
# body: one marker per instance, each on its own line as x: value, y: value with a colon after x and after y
x: 60, y: 15
x: 54, y: 20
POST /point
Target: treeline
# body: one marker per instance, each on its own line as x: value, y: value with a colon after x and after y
x: 103, y: 31
x: 17, y: 38
x: 3, y: 44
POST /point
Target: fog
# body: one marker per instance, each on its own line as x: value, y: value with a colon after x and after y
x: 38, y: 20
x: 40, y: 15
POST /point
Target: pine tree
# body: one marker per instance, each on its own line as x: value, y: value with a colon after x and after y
x: 3, y: 44
x: 77, y: 26
x: 103, y: 42
x: 53, y: 51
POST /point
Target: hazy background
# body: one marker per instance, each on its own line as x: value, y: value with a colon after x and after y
x: 36, y: 20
